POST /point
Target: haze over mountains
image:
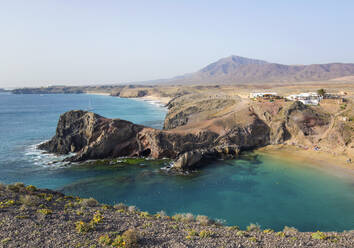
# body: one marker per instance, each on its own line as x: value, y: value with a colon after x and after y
x: 241, y: 70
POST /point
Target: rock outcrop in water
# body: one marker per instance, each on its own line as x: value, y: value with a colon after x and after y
x: 91, y: 136
x: 215, y: 129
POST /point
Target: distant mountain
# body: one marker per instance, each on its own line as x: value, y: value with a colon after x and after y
x: 240, y: 70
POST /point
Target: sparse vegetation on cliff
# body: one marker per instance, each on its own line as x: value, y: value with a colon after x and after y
x: 25, y: 222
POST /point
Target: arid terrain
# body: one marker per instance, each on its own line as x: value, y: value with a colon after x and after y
x: 31, y: 217
x: 214, y: 121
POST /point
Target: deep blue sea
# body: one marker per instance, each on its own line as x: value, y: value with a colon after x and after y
x: 253, y: 189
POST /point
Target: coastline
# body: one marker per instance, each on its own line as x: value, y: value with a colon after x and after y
x: 97, y: 93
x: 335, y: 165
x: 161, y: 100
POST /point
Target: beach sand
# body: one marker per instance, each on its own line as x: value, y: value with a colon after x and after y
x: 98, y: 93
x: 336, y: 165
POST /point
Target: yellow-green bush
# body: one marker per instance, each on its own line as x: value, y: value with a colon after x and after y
x: 319, y: 235
x: 83, y: 227
x: 104, y: 240
x: 205, y: 234
x: 97, y: 218
x: 31, y: 188
x: 268, y: 231
x: 8, y: 203
x: 45, y: 211
x: 192, y: 233
x: 252, y: 239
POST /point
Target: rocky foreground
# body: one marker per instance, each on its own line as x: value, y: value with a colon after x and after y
x: 31, y: 217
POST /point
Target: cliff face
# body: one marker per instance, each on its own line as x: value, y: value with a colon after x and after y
x: 214, y: 128
x: 92, y: 136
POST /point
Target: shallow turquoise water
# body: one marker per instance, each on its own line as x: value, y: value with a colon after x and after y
x: 254, y: 188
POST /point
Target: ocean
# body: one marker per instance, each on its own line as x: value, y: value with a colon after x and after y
x: 252, y: 189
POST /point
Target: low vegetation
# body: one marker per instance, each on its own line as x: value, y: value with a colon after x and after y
x: 33, y: 216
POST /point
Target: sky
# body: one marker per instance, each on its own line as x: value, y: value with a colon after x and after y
x: 81, y: 42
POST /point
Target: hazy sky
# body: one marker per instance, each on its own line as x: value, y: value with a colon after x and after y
x: 45, y: 42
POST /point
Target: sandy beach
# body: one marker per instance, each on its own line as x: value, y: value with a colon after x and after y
x: 335, y: 165
x: 98, y: 93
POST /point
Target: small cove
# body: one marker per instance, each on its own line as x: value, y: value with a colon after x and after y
x: 255, y: 188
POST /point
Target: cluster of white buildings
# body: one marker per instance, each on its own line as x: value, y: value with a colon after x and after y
x: 310, y: 98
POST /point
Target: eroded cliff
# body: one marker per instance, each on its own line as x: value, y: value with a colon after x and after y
x: 196, y: 127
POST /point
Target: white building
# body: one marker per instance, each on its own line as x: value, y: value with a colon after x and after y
x: 310, y: 98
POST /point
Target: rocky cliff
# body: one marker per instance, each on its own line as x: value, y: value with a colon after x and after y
x: 213, y: 128
x: 91, y: 136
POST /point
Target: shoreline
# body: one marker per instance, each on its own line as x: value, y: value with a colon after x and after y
x: 161, y: 100
x: 334, y: 165
x: 97, y: 93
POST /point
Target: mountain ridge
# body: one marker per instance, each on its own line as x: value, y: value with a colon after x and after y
x: 242, y: 70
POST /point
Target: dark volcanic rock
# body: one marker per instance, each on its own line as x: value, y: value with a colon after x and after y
x: 92, y: 136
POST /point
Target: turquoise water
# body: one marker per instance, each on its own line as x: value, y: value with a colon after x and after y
x: 252, y: 189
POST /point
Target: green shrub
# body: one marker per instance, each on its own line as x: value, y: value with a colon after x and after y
x: 280, y: 234
x: 83, y: 227
x: 5, y: 240
x: 192, y: 233
x: 106, y: 207
x: 69, y: 205
x: 319, y: 235
x: 252, y: 239
x: 118, y: 242
x: 175, y: 227
x: 31, y: 188
x: 344, y: 106
x: 241, y: 233
x: 104, y: 240
x: 7, y: 203
x: 97, y: 218
x: 268, y: 231
x: 177, y: 217
x: 234, y: 228
x: 145, y: 214
x: 45, y: 211
x: 205, y: 234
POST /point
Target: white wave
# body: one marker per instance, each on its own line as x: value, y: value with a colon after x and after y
x: 152, y: 102
x: 43, y: 159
